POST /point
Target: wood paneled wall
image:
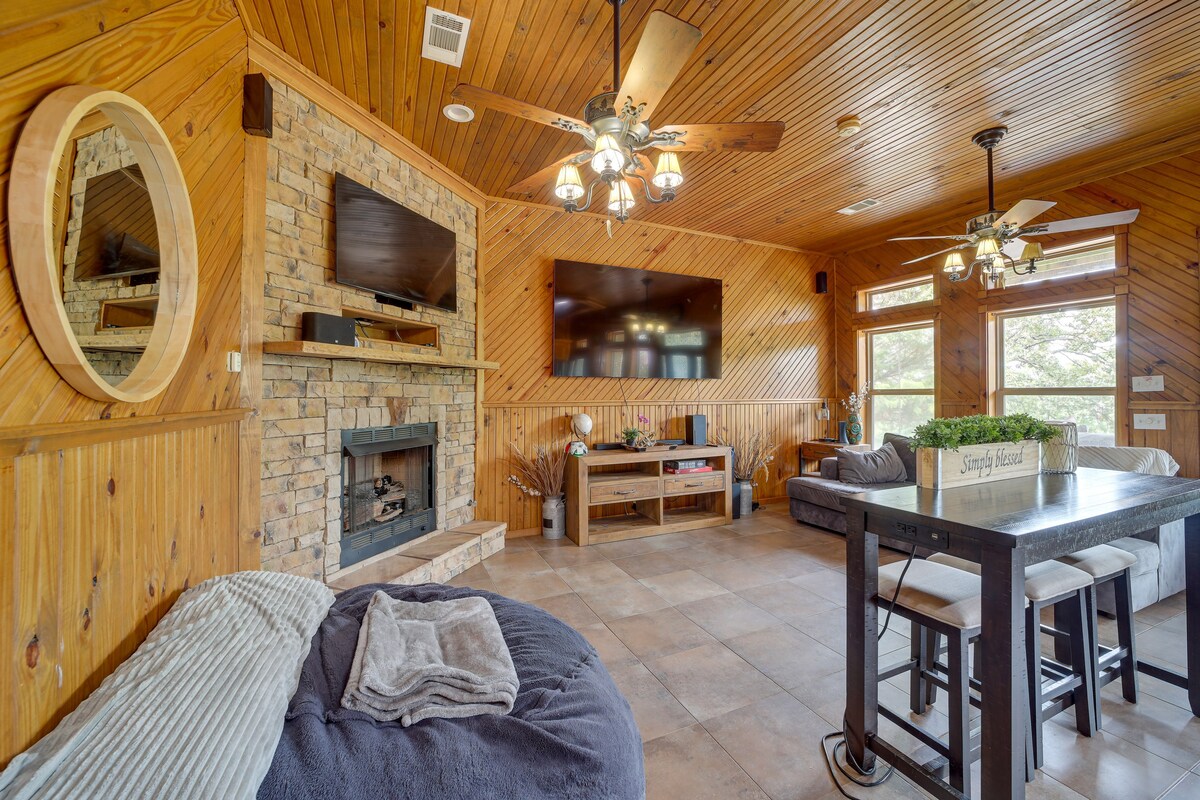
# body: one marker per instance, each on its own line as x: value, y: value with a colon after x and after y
x: 777, y: 349
x: 108, y: 510
x: 1161, y: 287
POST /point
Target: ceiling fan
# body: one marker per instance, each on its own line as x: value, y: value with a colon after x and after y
x: 997, y: 238
x: 616, y: 125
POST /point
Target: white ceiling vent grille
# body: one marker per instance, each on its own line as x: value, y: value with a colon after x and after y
x: 445, y: 36
x: 861, y: 205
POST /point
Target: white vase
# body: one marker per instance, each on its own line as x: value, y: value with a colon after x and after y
x: 554, y: 517
x: 747, y: 498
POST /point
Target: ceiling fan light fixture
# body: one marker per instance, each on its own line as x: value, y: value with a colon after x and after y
x: 607, y: 155
x: 954, y: 263
x: 667, y: 174
x: 620, y: 199
x: 1032, y: 252
x: 569, y: 185
x: 987, y: 248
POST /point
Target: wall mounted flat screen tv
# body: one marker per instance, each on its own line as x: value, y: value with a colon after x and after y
x: 616, y: 322
x: 392, y: 251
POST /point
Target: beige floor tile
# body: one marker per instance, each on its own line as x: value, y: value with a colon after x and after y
x: 648, y: 544
x: 786, y: 656
x: 711, y: 680
x: 613, y: 652
x: 1104, y: 765
x: 728, y: 615
x: 749, y: 547
x: 1165, y: 642
x: 824, y: 583
x: 684, y: 586
x: 570, y: 609
x: 1186, y: 789
x: 515, y: 564
x: 1155, y: 725
x: 512, y: 543
x: 623, y: 599
x: 829, y: 628
x: 713, y: 535
x: 700, y: 554
x: 655, y: 710
x: 787, y: 601
x: 592, y: 576
x: 571, y: 556
x: 647, y: 565
x: 531, y: 587
x: 737, y: 574
x: 689, y: 765
x: 477, y: 577
x: 659, y: 633
x: 787, y: 563
x: 826, y: 696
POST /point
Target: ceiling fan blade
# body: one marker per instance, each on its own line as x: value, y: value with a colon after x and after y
x: 748, y: 137
x: 1022, y: 212
x: 541, y: 179
x: 1082, y: 223
x: 938, y: 253
x: 960, y: 236
x: 666, y: 44
x: 1013, y: 248
x: 486, y: 98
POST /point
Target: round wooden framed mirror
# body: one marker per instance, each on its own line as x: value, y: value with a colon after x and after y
x: 103, y: 243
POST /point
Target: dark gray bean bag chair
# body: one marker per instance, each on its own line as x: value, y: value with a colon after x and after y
x: 571, y: 733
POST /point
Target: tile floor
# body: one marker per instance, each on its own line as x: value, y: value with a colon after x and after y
x: 729, y: 643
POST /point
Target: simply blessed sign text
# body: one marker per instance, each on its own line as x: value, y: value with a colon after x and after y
x: 977, y: 463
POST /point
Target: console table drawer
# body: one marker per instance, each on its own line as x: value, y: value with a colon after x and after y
x: 692, y: 484
x: 620, y: 492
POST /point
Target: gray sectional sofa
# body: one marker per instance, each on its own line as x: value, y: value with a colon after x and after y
x: 1158, y: 573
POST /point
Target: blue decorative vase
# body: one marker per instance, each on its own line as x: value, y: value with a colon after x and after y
x: 854, y: 429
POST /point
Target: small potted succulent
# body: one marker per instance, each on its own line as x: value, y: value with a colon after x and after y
x: 639, y: 438
x: 541, y: 475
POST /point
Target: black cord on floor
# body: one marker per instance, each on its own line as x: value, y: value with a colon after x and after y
x: 831, y: 757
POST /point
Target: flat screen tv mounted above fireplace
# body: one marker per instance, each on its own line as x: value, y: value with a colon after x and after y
x: 616, y: 322
x: 392, y: 251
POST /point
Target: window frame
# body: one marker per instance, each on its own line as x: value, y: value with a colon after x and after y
x: 994, y: 360
x: 865, y: 373
x: 862, y: 294
x: 1120, y: 234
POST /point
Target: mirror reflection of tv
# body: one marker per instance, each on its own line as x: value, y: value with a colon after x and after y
x: 617, y: 322
x: 390, y: 250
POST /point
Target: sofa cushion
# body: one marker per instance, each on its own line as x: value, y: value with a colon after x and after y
x: 907, y: 455
x: 826, y: 493
x: 870, y: 467
x: 829, y: 468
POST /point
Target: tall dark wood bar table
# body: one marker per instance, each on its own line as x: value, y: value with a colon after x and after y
x: 1004, y: 526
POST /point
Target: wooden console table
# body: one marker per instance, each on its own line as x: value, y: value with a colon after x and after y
x: 814, y: 450
x: 1004, y: 526
x: 619, y: 494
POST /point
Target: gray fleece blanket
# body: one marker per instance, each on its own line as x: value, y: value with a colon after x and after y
x: 570, y: 734
x: 444, y: 658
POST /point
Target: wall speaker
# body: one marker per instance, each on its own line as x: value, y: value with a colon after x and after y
x: 822, y: 283
x: 326, y: 328
x: 697, y: 429
x: 256, y: 105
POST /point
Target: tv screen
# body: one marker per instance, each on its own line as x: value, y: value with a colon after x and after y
x: 385, y: 248
x: 616, y: 322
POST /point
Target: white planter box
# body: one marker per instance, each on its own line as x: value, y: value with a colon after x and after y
x: 977, y: 463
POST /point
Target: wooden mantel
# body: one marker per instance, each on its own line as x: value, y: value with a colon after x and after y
x: 377, y: 354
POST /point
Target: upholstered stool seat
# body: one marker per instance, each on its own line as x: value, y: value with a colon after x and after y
x: 1043, y: 581
x: 1101, y: 561
x: 949, y: 595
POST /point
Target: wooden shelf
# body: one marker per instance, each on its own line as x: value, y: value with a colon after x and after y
x: 131, y: 342
x: 395, y: 330
x: 375, y: 354
x: 601, y: 478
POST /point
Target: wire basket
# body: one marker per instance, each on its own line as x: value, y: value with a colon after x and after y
x: 1061, y: 454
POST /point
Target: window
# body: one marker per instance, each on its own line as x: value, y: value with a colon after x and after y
x: 899, y: 368
x: 1060, y: 364
x: 897, y: 293
x: 1076, y: 258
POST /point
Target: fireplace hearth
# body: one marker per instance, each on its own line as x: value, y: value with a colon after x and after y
x: 388, y: 488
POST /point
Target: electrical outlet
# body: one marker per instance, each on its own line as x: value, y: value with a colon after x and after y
x: 1150, y: 422
x: 233, y: 361
x: 1148, y: 383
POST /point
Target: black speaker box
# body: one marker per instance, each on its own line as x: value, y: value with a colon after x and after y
x: 822, y: 283
x: 326, y: 328
x: 697, y: 429
x: 257, y: 101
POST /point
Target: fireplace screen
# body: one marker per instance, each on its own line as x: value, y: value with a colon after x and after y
x: 387, y: 488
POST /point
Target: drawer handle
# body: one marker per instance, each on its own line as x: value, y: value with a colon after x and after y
x: 692, y: 485
x: 625, y: 491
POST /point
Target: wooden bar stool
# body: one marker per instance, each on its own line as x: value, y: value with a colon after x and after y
x: 1106, y: 563
x: 1054, y: 685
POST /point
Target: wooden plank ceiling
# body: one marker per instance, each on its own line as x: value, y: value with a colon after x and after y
x: 1086, y: 89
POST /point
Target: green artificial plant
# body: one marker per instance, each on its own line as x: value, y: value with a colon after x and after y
x: 954, y: 432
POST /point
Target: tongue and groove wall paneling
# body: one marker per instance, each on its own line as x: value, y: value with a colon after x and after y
x: 109, y: 510
x: 777, y: 359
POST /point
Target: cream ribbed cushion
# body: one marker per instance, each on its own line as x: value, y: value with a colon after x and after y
x: 1042, y: 581
x: 1101, y: 561
x: 935, y: 590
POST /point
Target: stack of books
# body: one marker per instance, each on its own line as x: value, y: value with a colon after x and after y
x: 687, y: 466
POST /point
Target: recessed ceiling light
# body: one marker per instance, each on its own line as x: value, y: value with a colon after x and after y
x: 848, y: 126
x: 861, y: 205
x: 458, y: 112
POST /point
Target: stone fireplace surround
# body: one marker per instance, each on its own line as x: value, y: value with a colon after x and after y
x: 308, y: 402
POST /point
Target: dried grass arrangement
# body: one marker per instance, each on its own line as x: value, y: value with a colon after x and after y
x: 539, y: 475
x: 750, y: 453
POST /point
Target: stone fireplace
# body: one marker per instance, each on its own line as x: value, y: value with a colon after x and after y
x: 389, y: 486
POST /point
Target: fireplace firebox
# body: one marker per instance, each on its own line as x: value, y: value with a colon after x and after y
x: 389, y: 483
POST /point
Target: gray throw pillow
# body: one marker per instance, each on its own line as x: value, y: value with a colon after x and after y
x: 906, y: 453
x: 875, y: 466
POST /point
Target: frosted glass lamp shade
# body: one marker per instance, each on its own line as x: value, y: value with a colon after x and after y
x: 607, y: 156
x: 569, y: 185
x: 667, y: 174
x: 954, y: 263
x: 620, y: 198
x: 987, y: 248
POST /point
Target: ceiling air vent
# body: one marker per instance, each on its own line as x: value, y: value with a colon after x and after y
x: 861, y: 205
x: 445, y: 36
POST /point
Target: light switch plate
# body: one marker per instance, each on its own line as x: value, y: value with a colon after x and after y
x: 1148, y: 383
x: 1150, y: 422
x: 233, y: 361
